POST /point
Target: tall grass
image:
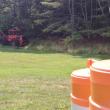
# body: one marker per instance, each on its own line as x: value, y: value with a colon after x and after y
x: 73, y: 47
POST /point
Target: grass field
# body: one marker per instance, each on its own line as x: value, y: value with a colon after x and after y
x: 36, y: 80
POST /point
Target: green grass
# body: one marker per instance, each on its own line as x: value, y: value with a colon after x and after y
x: 36, y: 80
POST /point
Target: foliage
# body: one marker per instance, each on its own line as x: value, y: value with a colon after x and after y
x: 89, y: 15
x: 62, y: 18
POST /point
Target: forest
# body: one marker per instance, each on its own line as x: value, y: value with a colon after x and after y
x: 47, y: 44
x: 71, y: 19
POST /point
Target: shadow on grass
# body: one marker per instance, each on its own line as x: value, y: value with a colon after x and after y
x: 23, y: 50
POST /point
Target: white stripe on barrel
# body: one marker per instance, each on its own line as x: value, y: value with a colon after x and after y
x: 77, y: 107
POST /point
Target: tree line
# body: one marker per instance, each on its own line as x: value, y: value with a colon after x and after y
x: 61, y: 18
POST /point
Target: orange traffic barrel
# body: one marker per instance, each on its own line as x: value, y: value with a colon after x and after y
x: 100, y: 85
x: 80, y: 80
x: 90, y: 61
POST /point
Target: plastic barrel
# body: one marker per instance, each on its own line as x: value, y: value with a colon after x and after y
x: 80, y: 81
x: 100, y: 85
x: 90, y: 61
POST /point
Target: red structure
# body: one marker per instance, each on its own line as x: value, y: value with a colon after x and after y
x: 15, y: 37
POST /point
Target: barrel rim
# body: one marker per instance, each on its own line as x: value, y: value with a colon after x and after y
x: 99, y: 69
x: 87, y: 70
x: 81, y: 79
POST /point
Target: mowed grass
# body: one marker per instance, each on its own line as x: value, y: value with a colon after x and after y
x: 36, y: 81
